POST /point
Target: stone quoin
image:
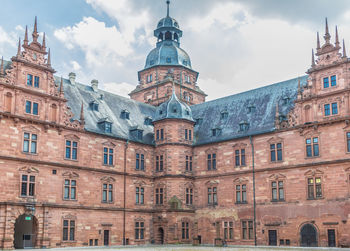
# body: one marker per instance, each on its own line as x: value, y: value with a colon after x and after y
x: 84, y: 167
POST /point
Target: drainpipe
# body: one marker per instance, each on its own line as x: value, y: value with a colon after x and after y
x: 124, y: 202
x: 253, y: 164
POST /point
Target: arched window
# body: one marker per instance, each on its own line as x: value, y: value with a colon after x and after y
x: 176, y: 37
x: 53, y: 113
x: 160, y: 37
x: 168, y: 35
x: 8, y: 102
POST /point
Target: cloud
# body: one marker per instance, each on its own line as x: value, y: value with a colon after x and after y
x: 75, y: 65
x: 122, y: 89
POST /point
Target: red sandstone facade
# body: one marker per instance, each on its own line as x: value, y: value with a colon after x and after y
x: 184, y: 202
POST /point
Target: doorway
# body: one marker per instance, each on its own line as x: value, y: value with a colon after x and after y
x: 272, y: 237
x: 331, y: 238
x: 308, y: 236
x: 106, y: 237
x: 25, y: 231
x: 160, y: 236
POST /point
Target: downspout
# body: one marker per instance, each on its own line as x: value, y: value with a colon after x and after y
x: 254, y: 200
x: 124, y: 202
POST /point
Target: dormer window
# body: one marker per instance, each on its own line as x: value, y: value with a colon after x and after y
x: 30, y: 80
x: 160, y: 112
x: 187, y: 79
x: 251, y: 109
x: 199, y: 121
x: 149, y: 78
x: 243, y: 126
x: 168, y: 60
x: 125, y: 114
x: 105, y: 125
x: 224, y: 115
x: 187, y: 112
x: 285, y: 100
x: 94, y: 106
x: 148, y: 121
x: 151, y: 62
x: 184, y: 62
x: 216, y: 132
x: 137, y: 133
x: 108, y: 127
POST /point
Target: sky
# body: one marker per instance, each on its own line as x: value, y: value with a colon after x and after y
x: 235, y: 45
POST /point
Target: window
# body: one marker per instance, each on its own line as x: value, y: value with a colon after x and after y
x: 276, y: 152
x: 228, y: 230
x: 107, y: 193
x: 140, y: 195
x: 68, y: 230
x: 334, y: 108
x: 277, y: 191
x: 348, y: 141
x: 159, y: 163
x: 188, y: 163
x: 216, y: 132
x: 247, y: 230
x: 29, y: 79
x: 108, y: 127
x: 314, y: 188
x: 148, y: 121
x: 327, y: 110
x: 224, y: 115
x: 71, y: 150
x: 27, y: 185
x: 160, y: 134
x: 70, y: 189
x: 312, y: 147
x: 186, y: 134
x: 333, y: 80
x: 212, y: 196
x: 149, y: 78
x: 36, y: 82
x: 168, y: 60
x: 199, y: 121
x: 30, y: 143
x: 189, y: 196
x: 325, y: 82
x: 108, y: 156
x: 241, y: 194
x: 94, y: 106
x: 185, y: 230
x: 159, y: 196
x: 125, y: 114
x: 140, y: 161
x: 240, y: 157
x: 139, y: 230
x: 211, y: 161
x: 243, y: 126
x: 190, y: 134
x: 32, y: 108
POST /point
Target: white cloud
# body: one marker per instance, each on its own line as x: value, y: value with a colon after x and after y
x: 75, y: 65
x: 122, y: 89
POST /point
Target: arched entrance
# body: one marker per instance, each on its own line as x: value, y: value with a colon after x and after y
x: 25, y: 231
x: 160, y: 236
x: 308, y: 236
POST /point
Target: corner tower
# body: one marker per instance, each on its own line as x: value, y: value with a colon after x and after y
x: 165, y: 64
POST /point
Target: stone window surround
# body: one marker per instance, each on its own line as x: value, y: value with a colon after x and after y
x: 314, y: 174
x: 71, y: 137
x: 69, y: 175
x: 275, y: 140
x: 108, y: 145
x: 31, y: 130
x: 30, y: 171
x: 240, y: 146
x: 276, y: 178
x: 69, y: 217
x: 109, y: 181
x: 240, y: 181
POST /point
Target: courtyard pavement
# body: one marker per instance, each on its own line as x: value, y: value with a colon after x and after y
x: 192, y: 248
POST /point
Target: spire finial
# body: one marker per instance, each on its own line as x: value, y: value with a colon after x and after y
x: 312, y: 60
x: 44, y: 43
x: 336, y: 37
x: 318, y: 41
x: 327, y: 36
x: 2, y: 66
x: 19, y: 48
x: 49, y: 58
x: 299, y: 87
x: 168, y: 4
x: 35, y: 31
x: 344, y: 50
x: 82, y: 120
x: 61, y: 86
x: 25, y: 41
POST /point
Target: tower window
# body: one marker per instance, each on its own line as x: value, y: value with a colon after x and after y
x: 168, y: 60
x: 168, y: 35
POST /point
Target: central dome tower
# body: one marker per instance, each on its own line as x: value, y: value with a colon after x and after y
x: 165, y: 64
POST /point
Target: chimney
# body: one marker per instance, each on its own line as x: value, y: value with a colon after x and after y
x: 94, y: 85
x: 72, y: 78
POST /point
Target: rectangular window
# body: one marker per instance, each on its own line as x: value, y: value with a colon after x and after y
x: 32, y: 108
x: 348, y: 141
x: 29, y: 79
x: 325, y: 82
x: 70, y: 189
x: 162, y: 134
x: 212, y: 196
x: 185, y: 231
x: 107, y: 193
x: 161, y: 163
x: 277, y: 191
x: 189, y: 163
x: 333, y: 80
x: 241, y: 194
x: 30, y: 143
x: 240, y: 157
x: 71, y: 150
x: 211, y: 161
x: 276, y: 152
x: 314, y: 188
x: 157, y: 135
x: 189, y: 196
x: 35, y: 108
x: 108, y: 156
x: 186, y: 134
x: 137, y: 161
x: 36, y: 81
x: 334, y: 108
x: 68, y: 230
x: 140, y: 195
x: 228, y: 230
x: 327, y: 110
x: 159, y: 196
x: 190, y: 134
x: 247, y: 230
x: 312, y: 147
x: 28, y: 107
x: 27, y: 185
x: 139, y: 230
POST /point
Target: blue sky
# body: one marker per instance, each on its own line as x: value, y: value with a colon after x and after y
x: 235, y: 45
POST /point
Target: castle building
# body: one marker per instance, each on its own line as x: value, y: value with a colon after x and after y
x: 84, y: 167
